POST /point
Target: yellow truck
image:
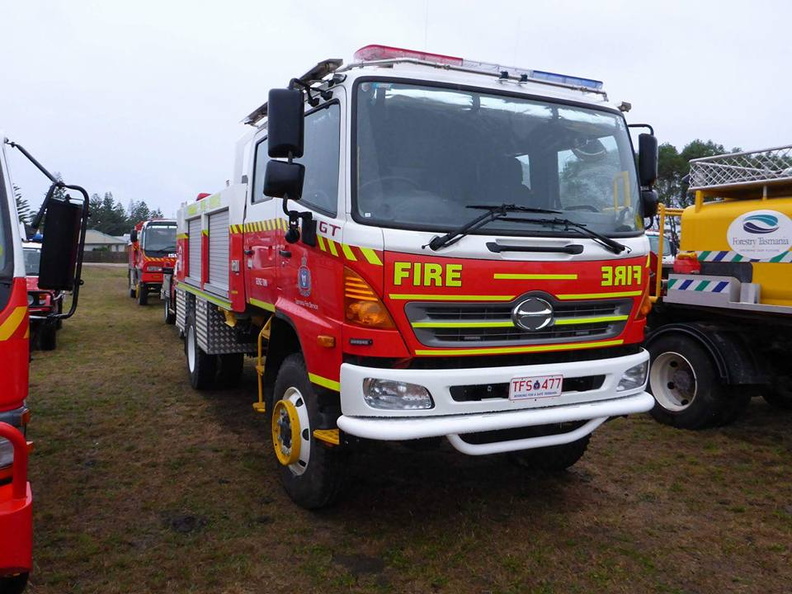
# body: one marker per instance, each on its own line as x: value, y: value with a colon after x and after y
x: 721, y: 326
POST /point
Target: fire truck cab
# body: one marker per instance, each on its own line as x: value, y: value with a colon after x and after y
x: 152, y: 247
x: 418, y: 246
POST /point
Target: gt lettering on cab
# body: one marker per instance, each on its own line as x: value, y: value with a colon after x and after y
x: 427, y: 274
x: 621, y: 276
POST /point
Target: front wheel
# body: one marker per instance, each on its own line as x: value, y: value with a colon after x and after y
x: 169, y: 317
x: 48, y: 336
x: 201, y: 367
x: 311, y: 472
x: 132, y: 285
x: 687, y: 390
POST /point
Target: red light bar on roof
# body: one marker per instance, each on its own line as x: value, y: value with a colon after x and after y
x: 371, y: 53
x: 384, y: 52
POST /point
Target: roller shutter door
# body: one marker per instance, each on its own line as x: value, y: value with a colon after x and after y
x: 194, y: 229
x: 218, y: 249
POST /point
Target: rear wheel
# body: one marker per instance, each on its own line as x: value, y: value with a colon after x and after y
x: 14, y: 584
x: 311, y: 472
x: 687, y: 390
x: 552, y: 458
x: 201, y: 367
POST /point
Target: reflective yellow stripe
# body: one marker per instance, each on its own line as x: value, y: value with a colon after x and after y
x: 600, y: 295
x: 204, y: 231
x: 508, y: 324
x: 413, y: 297
x: 526, y: 349
x: 210, y: 298
x: 322, y: 245
x: 498, y: 276
x: 573, y: 321
x: 348, y: 252
x: 333, y: 249
x: 324, y: 382
x: 371, y: 256
x: 262, y: 304
x: 12, y: 323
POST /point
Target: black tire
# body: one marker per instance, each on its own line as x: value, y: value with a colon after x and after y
x: 142, y: 294
x: 132, y: 285
x: 779, y: 394
x: 552, y: 458
x: 684, y: 382
x: 315, y: 477
x: 169, y: 316
x: 14, y: 584
x: 47, y: 336
x: 201, y: 367
x: 230, y: 373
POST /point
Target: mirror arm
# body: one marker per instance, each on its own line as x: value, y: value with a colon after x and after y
x: 33, y: 160
x: 312, y: 101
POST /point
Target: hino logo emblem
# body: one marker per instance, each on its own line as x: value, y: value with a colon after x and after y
x: 532, y: 314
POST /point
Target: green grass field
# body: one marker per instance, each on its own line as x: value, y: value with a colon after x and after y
x: 143, y: 485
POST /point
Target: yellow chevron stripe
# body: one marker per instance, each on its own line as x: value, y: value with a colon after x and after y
x: 333, y: 249
x: 322, y: 245
x: 13, y: 321
x: 324, y: 382
x: 371, y: 256
x: 350, y: 255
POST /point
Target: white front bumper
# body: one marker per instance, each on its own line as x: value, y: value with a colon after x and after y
x: 452, y: 418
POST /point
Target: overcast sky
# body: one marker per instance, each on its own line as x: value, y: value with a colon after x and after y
x: 143, y: 99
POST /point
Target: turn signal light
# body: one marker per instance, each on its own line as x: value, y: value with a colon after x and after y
x: 362, y: 307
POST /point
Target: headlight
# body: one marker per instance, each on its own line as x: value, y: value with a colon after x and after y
x: 634, y: 377
x: 31, y: 299
x: 6, y: 453
x: 392, y: 395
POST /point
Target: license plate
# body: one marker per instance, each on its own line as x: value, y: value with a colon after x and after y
x: 536, y: 387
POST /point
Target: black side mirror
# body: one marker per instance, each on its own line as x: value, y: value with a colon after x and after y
x: 647, y: 159
x: 60, y: 246
x: 133, y: 236
x: 649, y: 203
x: 284, y: 180
x: 285, y: 123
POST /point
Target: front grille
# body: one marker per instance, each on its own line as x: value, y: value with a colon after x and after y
x: 490, y: 325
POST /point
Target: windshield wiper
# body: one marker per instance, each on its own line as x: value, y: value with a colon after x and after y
x: 493, y: 213
x: 603, y: 240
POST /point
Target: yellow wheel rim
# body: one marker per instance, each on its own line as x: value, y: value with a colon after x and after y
x: 286, y: 432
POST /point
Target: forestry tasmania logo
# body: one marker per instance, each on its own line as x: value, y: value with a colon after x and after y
x: 760, y: 234
x: 760, y: 224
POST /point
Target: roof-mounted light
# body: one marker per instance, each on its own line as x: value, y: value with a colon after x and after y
x: 372, y: 53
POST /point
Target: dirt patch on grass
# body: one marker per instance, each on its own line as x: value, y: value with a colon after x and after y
x: 144, y: 485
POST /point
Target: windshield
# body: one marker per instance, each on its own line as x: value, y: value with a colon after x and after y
x: 424, y: 154
x: 32, y: 261
x: 159, y: 240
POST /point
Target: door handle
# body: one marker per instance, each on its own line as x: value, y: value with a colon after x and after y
x: 285, y: 253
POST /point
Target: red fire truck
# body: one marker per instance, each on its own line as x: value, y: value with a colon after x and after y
x: 60, y: 271
x: 152, y: 247
x: 419, y: 246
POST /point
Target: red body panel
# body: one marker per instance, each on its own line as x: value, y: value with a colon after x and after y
x: 16, y: 510
x: 15, y: 348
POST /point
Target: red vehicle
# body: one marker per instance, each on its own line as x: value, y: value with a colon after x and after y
x: 423, y: 247
x: 152, y: 247
x: 60, y: 271
x: 41, y: 303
